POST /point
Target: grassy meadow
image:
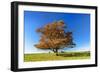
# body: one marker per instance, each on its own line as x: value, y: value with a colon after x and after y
x: 52, y: 56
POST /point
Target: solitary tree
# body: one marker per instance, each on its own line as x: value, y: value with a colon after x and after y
x: 54, y: 37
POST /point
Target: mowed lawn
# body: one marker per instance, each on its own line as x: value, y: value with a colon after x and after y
x: 52, y: 56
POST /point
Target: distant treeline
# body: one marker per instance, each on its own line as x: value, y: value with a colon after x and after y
x: 72, y: 54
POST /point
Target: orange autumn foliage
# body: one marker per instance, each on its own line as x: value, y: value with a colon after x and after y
x: 54, y: 37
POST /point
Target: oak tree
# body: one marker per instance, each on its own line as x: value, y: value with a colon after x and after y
x: 54, y: 37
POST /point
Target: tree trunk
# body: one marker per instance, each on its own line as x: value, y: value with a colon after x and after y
x: 55, y: 51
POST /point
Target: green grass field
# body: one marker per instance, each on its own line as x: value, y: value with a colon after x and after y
x: 52, y: 56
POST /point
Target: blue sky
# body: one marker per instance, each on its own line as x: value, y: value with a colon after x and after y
x: 78, y: 23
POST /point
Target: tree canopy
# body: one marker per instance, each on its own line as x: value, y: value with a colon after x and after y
x: 54, y: 37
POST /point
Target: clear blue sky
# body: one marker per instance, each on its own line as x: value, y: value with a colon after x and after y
x: 78, y: 23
